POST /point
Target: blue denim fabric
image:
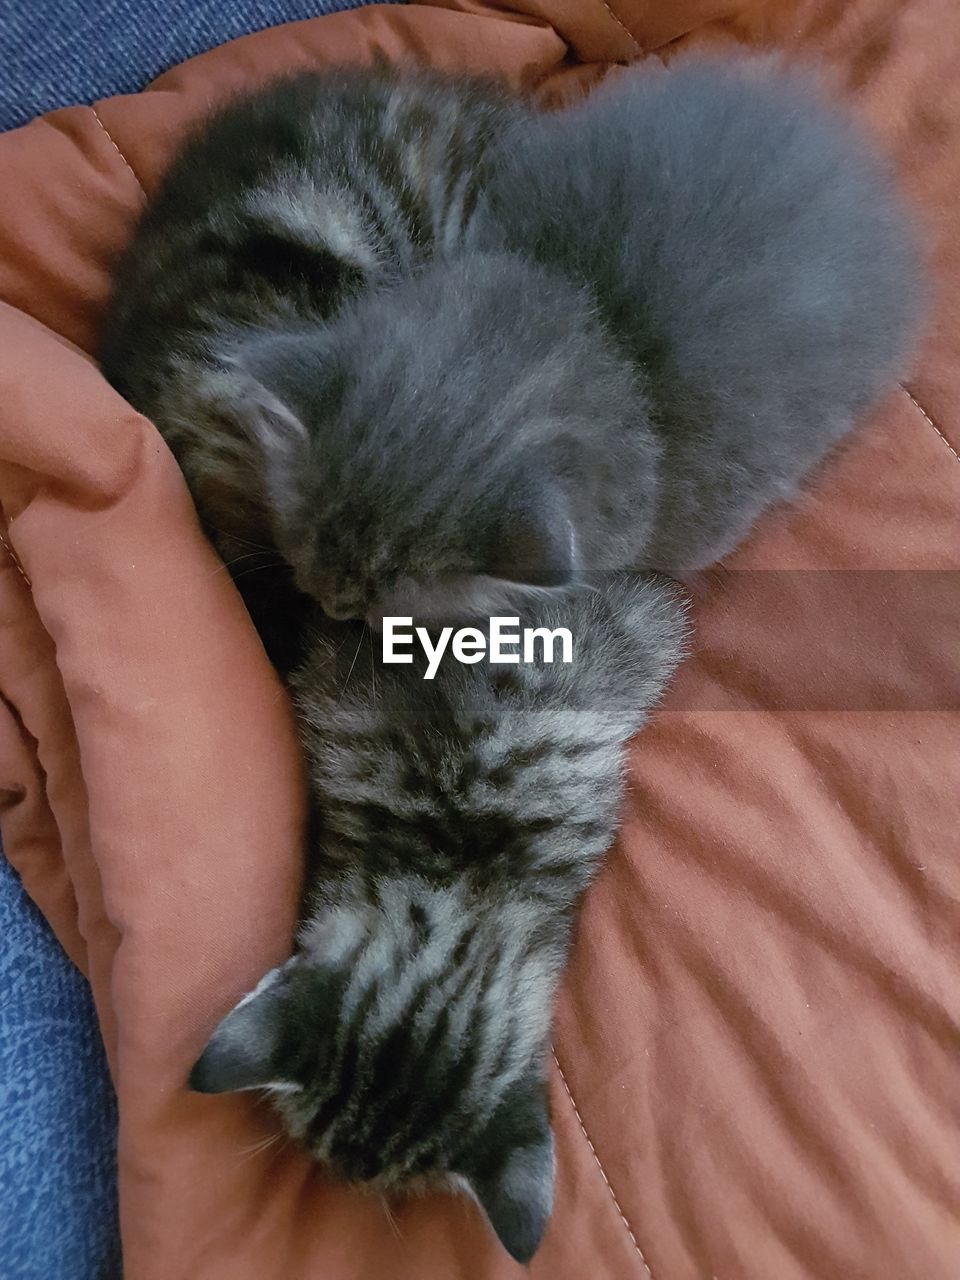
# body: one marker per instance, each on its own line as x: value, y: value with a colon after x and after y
x: 55, y: 53
x: 58, y: 1200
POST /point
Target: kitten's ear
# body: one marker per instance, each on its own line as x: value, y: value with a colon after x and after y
x: 244, y: 1051
x: 281, y: 437
x: 272, y: 371
x: 511, y: 1168
x: 536, y: 541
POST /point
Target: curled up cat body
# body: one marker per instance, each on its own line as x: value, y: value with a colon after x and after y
x: 459, y: 821
x: 430, y: 353
x: 279, y: 210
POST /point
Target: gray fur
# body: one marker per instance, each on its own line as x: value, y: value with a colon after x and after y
x: 407, y: 1038
x: 418, y: 351
x: 463, y: 432
x: 282, y: 207
x: 709, y: 279
x: 748, y: 248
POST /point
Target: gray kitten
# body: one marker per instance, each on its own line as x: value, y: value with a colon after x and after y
x: 748, y: 249
x: 406, y: 1041
x: 457, y: 820
x: 434, y: 354
x: 749, y: 286
x: 283, y: 206
x: 451, y: 445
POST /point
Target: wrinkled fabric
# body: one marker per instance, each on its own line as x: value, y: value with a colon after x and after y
x: 757, y: 1040
x: 57, y: 1111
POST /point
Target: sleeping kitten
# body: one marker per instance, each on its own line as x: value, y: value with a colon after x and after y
x: 711, y: 279
x: 406, y: 1040
x: 284, y: 205
x: 747, y: 248
x: 457, y: 820
x: 451, y: 445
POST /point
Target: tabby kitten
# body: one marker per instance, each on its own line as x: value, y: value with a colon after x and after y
x: 436, y: 355
x: 284, y: 206
x: 452, y: 445
x: 406, y: 1040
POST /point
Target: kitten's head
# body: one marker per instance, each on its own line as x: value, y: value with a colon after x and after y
x: 407, y: 1038
x: 438, y: 449
x: 405, y: 1044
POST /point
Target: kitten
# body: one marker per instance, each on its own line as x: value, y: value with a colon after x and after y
x: 284, y: 205
x: 711, y: 279
x: 456, y: 821
x: 747, y: 248
x: 406, y: 1040
x: 758, y: 287
x: 452, y: 445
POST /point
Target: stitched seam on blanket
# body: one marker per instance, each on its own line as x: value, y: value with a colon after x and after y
x: 603, y: 1172
x: 16, y: 560
x: 926, y: 417
x: 638, y: 48
x: 126, y: 163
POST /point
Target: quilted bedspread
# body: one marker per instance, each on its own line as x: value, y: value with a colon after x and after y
x: 757, y: 1047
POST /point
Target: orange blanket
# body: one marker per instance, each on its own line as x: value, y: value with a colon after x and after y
x: 757, y: 1043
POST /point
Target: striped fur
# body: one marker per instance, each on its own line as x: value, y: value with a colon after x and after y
x: 407, y: 1037
x: 419, y: 350
x: 282, y: 207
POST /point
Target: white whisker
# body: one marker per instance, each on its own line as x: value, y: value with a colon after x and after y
x: 247, y: 555
x: 258, y: 1148
x: 391, y: 1218
x: 353, y: 663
